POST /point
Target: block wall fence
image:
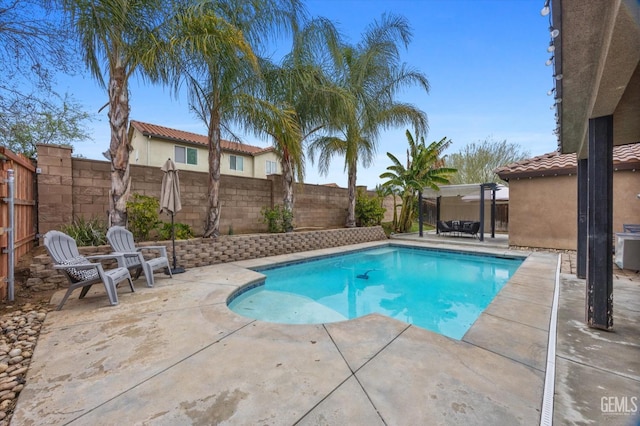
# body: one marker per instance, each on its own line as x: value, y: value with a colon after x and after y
x: 73, y: 187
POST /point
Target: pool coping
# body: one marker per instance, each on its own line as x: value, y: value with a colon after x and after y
x: 515, y: 281
x: 96, y: 363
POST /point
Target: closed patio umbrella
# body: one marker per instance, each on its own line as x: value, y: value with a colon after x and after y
x: 170, y: 202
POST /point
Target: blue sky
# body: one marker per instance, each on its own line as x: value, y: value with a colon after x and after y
x: 485, y: 61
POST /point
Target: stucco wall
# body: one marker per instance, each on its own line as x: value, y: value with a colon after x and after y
x: 543, y: 210
x: 626, y: 205
x: 260, y: 163
x: 154, y: 152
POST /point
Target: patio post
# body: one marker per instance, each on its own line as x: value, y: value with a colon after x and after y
x: 438, y: 213
x: 599, y: 309
x: 420, y: 211
x: 481, y: 212
x: 493, y: 211
x: 581, y: 255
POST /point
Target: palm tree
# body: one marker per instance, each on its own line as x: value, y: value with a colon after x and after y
x: 116, y: 38
x: 372, y: 73
x: 425, y: 168
x: 223, y: 76
x: 300, y: 89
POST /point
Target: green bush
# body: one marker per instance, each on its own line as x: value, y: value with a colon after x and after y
x: 92, y: 232
x: 142, y: 216
x: 278, y: 219
x: 183, y: 231
x: 369, y: 210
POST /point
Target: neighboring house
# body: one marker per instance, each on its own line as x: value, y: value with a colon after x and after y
x: 543, y: 197
x: 153, y: 144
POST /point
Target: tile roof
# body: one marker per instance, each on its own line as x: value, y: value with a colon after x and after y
x: 181, y: 136
x: 624, y: 157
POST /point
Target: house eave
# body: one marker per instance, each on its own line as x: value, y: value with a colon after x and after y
x: 598, y: 55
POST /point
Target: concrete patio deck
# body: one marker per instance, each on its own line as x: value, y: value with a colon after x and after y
x: 175, y: 354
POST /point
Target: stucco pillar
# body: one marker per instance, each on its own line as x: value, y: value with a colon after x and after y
x: 599, y: 309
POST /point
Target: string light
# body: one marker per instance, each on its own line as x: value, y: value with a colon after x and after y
x: 545, y: 10
x: 553, y: 33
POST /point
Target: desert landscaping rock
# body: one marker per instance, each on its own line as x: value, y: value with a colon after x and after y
x: 19, y: 331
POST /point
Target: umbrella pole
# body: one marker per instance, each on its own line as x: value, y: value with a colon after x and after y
x: 175, y: 269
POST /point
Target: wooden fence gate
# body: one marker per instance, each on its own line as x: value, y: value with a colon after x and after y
x: 24, y: 214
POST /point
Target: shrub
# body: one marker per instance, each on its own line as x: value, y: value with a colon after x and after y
x: 92, y: 232
x: 142, y: 216
x: 183, y: 231
x: 278, y: 219
x: 369, y: 210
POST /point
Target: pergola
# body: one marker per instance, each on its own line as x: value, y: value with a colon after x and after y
x: 596, y: 58
x: 479, y: 189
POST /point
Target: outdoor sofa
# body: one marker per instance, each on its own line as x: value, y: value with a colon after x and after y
x: 458, y: 227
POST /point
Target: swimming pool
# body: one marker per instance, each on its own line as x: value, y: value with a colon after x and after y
x: 442, y: 291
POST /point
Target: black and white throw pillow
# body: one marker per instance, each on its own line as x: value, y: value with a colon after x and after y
x: 80, y: 274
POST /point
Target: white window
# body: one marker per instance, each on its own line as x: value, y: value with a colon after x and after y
x: 235, y: 163
x: 186, y: 155
x: 271, y: 168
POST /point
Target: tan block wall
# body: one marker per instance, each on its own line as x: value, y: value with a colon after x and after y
x: 199, y: 252
x: 55, y: 193
x: 543, y: 210
x: 80, y: 187
x: 453, y: 208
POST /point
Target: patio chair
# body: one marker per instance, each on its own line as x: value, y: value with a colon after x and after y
x: 121, y: 241
x: 80, y: 272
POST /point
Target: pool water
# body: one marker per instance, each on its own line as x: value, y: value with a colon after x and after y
x: 442, y: 291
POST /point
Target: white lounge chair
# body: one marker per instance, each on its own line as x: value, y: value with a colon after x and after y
x: 121, y: 241
x: 78, y: 269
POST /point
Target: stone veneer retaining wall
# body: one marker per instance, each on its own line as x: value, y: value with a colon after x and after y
x: 226, y: 248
